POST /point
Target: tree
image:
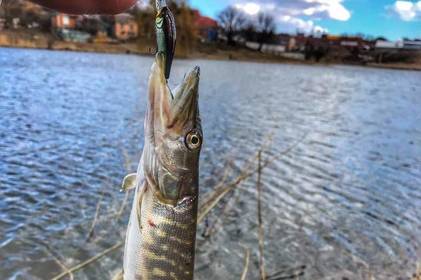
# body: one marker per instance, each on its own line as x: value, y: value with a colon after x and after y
x: 92, y: 24
x: 186, y: 29
x: 231, y: 21
x: 265, y: 28
x: 249, y: 31
x: 146, y: 21
x: 381, y: 38
x: 11, y: 9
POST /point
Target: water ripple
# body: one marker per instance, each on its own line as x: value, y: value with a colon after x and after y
x: 345, y: 203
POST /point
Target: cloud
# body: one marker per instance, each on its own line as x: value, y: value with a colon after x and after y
x: 333, y: 9
x: 407, y: 10
x: 250, y: 8
x: 293, y: 24
x: 293, y: 15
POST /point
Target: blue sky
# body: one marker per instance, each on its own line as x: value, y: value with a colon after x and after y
x: 390, y: 18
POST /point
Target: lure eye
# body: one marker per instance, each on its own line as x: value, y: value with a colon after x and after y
x: 193, y: 140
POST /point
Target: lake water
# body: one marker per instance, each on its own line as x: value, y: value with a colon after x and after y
x: 344, y: 203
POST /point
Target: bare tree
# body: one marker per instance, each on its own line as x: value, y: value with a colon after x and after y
x: 265, y: 28
x: 10, y: 9
x: 231, y: 21
x: 146, y: 21
x: 249, y: 30
x: 186, y: 29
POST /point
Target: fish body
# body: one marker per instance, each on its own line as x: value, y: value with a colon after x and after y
x: 160, y: 240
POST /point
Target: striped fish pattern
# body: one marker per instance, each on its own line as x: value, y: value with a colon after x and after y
x: 160, y: 240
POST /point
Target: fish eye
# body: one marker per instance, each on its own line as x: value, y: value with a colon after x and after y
x: 193, y: 140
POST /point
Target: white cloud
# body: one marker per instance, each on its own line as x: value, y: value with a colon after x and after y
x: 297, y: 15
x: 334, y: 9
x: 407, y: 10
x: 249, y: 8
x: 326, y: 9
x: 293, y: 24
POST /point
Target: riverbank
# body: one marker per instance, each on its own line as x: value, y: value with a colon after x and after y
x: 25, y: 39
x: 38, y: 40
x: 397, y: 66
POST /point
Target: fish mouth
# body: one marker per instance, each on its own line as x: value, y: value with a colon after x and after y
x: 170, y: 120
x: 185, y: 99
x: 168, y: 109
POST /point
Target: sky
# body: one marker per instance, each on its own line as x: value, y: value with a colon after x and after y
x: 388, y: 18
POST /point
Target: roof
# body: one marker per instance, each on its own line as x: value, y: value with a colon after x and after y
x: 386, y: 44
x: 344, y: 38
x: 124, y: 17
x: 204, y: 21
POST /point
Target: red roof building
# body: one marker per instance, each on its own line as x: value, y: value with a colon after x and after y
x: 207, y: 27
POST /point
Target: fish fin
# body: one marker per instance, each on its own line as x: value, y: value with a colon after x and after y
x: 129, y: 182
x: 139, y: 207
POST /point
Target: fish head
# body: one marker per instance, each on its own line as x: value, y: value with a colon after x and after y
x: 173, y: 135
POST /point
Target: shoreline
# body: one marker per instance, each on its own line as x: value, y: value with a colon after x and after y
x: 37, y: 40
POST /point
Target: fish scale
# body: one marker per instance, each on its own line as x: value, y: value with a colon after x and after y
x: 164, y: 244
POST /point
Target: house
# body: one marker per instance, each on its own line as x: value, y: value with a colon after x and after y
x: 125, y: 27
x: 382, y: 44
x: 297, y: 43
x: 207, y: 27
x: 63, y: 21
x: 282, y: 39
x: 16, y: 23
x: 355, y: 42
x: 74, y: 36
x: 398, y: 51
x: 412, y: 45
x: 65, y: 27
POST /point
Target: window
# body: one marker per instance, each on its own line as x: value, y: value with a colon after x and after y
x: 66, y: 20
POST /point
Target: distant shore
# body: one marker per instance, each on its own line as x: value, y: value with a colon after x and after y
x: 38, y: 40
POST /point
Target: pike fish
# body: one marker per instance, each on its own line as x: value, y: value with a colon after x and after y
x: 161, y: 235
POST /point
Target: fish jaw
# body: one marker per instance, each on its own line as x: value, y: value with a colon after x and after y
x: 173, y: 135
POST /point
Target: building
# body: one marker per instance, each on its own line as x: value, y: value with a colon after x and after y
x: 65, y: 27
x: 407, y: 45
x: 348, y: 42
x: 282, y: 39
x: 76, y: 36
x: 207, y: 27
x: 63, y: 21
x: 125, y: 27
x: 381, y: 44
x: 412, y: 45
x: 297, y: 43
x: 16, y: 23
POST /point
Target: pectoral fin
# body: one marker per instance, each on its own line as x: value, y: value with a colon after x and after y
x: 129, y: 182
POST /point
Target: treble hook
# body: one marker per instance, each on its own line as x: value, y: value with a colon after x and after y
x: 165, y: 34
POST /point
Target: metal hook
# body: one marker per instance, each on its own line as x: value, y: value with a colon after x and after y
x: 165, y: 34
